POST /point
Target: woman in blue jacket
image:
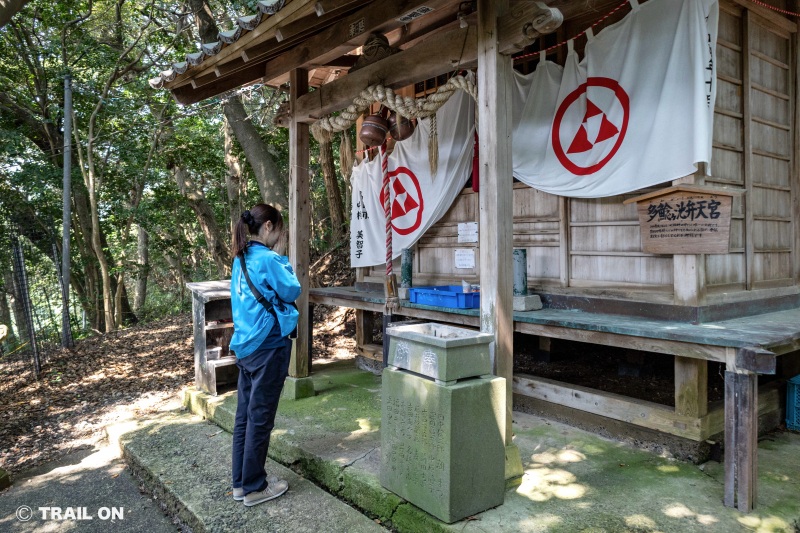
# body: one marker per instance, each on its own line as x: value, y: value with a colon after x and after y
x: 261, y: 344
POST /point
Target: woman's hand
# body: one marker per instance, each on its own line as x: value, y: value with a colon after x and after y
x: 282, y: 244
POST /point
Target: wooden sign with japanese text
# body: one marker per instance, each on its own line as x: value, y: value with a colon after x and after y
x: 685, y: 220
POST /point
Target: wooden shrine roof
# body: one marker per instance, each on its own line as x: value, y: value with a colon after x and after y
x: 324, y: 37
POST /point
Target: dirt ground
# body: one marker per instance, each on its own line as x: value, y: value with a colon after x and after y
x: 80, y: 391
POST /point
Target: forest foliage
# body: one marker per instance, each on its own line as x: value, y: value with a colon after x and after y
x: 155, y: 186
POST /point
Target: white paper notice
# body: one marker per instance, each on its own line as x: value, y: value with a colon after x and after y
x: 465, y: 258
x: 467, y: 232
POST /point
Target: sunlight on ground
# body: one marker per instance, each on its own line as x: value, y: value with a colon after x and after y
x: 541, y: 484
x: 767, y: 523
x: 679, y: 510
x: 668, y: 469
x: 640, y: 521
x: 540, y: 521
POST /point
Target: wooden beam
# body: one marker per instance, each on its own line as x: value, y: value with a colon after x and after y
x: 686, y: 349
x: 757, y: 360
x: 303, y: 25
x: 299, y: 221
x: 380, y: 17
x: 747, y: 153
x: 617, y: 407
x: 795, y: 194
x: 430, y: 58
x: 741, y: 440
x: 691, y: 387
x: 496, y: 196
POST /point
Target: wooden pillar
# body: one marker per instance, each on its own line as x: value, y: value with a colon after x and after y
x: 299, y: 220
x: 741, y: 438
x: 691, y: 386
x: 496, y: 207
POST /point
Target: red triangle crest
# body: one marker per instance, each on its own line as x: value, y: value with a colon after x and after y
x: 607, y: 130
x: 591, y: 110
x: 580, y: 143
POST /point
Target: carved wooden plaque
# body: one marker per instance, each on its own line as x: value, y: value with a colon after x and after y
x: 685, y: 220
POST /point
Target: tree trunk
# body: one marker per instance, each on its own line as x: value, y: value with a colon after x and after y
x: 233, y: 179
x: 8, y: 8
x: 271, y: 183
x: 335, y: 203
x: 18, y: 307
x: 205, y: 216
x: 143, y: 268
x: 5, y: 309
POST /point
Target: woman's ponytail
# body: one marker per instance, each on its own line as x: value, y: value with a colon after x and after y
x: 251, y: 222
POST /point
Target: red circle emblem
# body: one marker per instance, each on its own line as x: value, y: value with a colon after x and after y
x: 407, y: 207
x: 608, y: 130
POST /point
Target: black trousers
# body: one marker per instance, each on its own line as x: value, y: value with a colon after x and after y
x: 261, y: 377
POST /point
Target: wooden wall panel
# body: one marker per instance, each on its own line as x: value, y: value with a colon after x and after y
x: 725, y: 270
x: 726, y: 167
x: 728, y: 131
x: 622, y: 270
x: 729, y: 94
x: 730, y: 25
x: 772, y: 202
x: 769, y: 43
x: 770, y: 139
x: 771, y: 267
x: 771, y: 235
x: 729, y: 60
x: 771, y: 171
x: 769, y: 75
x: 606, y: 238
x: 772, y: 108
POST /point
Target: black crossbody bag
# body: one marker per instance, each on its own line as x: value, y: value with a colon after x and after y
x: 262, y: 299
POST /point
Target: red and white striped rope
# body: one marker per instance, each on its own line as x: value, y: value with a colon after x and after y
x: 562, y: 43
x: 773, y: 8
x: 387, y: 203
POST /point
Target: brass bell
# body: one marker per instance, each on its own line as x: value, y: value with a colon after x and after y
x: 400, y: 128
x: 373, y: 130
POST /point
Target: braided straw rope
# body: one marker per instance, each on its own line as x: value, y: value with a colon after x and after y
x: 405, y: 106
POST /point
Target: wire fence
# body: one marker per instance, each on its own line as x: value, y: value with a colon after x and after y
x: 31, y: 307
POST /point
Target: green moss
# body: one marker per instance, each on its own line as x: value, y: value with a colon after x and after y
x: 411, y: 519
x: 365, y: 492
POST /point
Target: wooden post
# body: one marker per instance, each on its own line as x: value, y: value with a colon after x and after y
x: 741, y: 439
x: 691, y: 386
x: 299, y: 223
x: 496, y: 207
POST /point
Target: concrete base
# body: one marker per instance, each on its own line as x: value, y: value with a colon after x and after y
x: 402, y: 293
x: 5, y: 479
x: 298, y: 388
x: 531, y: 302
x: 514, y: 470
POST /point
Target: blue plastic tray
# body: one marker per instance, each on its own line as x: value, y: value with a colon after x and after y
x: 445, y: 296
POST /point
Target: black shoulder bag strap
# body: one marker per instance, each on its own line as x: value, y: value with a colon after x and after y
x: 257, y: 293
x: 260, y: 297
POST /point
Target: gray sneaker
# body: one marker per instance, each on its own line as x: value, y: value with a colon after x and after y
x: 238, y: 492
x: 272, y: 491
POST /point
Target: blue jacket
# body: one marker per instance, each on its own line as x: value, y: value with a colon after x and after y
x: 251, y: 321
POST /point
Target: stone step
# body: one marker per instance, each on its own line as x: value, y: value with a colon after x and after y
x: 184, y: 461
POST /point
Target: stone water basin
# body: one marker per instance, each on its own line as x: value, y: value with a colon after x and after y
x: 440, y: 352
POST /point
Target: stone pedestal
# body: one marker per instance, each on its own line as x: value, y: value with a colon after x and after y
x: 442, y: 445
